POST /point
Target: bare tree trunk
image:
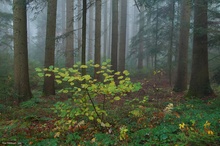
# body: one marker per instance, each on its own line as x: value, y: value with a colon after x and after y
x: 83, y: 60
x: 141, y: 45
x: 98, y: 11
x: 123, y: 33
x: 114, y: 46
x: 79, y: 30
x: 91, y: 34
x: 69, y: 53
x: 49, y: 87
x: 21, y: 74
x: 170, y: 50
x: 199, y: 83
x: 182, y: 69
x: 105, y: 17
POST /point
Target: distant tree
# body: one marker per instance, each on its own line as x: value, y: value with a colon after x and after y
x: 170, y: 48
x: 79, y: 33
x: 97, y: 57
x: 49, y: 86
x: 140, y: 58
x: 123, y: 26
x: 83, y: 59
x: 69, y: 31
x: 21, y: 74
x: 199, y: 83
x: 114, y: 44
x: 90, y: 50
x: 105, y: 28
x: 182, y: 69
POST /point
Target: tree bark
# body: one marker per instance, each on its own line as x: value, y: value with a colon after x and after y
x: 97, y: 36
x: 141, y: 39
x: 114, y: 45
x: 69, y: 31
x: 199, y: 83
x: 170, y: 50
x: 182, y: 69
x: 91, y: 34
x: 83, y: 59
x: 123, y: 27
x: 21, y: 73
x: 49, y: 86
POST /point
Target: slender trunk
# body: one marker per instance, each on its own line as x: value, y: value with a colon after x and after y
x: 83, y: 59
x: 141, y: 46
x: 49, y: 86
x: 97, y: 36
x: 114, y: 45
x: 69, y: 31
x: 170, y: 50
x: 123, y: 35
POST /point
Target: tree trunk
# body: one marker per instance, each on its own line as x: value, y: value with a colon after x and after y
x: 49, y: 88
x: 199, y: 83
x: 21, y: 74
x: 170, y: 50
x: 91, y: 34
x: 182, y: 69
x: 105, y: 17
x: 79, y: 30
x: 69, y: 53
x: 97, y: 36
x: 141, y: 45
x: 83, y: 60
x: 122, y: 49
x: 114, y: 45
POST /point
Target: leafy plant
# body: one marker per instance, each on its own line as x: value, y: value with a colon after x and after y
x: 90, y: 97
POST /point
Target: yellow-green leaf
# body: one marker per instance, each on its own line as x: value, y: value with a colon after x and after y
x: 125, y: 72
x: 96, y: 65
x: 117, y: 98
x: 40, y: 74
x: 91, y: 118
x: 38, y: 69
x: 47, y: 75
x: 83, y: 66
x: 99, y: 120
x: 117, y: 73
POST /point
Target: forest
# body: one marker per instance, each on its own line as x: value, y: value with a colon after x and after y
x: 110, y: 72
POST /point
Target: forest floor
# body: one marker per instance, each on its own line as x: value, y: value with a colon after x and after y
x: 155, y: 115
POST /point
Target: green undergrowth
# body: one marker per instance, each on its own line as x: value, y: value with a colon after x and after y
x: 107, y: 112
x: 136, y: 122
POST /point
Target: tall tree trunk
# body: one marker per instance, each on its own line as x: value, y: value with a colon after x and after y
x: 170, y: 50
x: 21, y: 74
x: 105, y: 17
x: 114, y: 46
x: 83, y: 60
x: 91, y: 34
x: 199, y: 83
x: 141, y: 45
x: 69, y: 53
x: 97, y: 36
x: 122, y: 49
x: 79, y: 30
x: 49, y: 87
x: 156, y: 38
x: 182, y: 69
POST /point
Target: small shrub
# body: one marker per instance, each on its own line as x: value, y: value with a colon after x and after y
x: 90, y: 97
